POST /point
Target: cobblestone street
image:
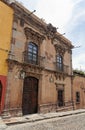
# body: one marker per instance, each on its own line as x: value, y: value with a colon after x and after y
x: 73, y: 122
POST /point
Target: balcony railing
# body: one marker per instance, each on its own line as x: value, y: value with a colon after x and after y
x: 61, y: 68
x: 33, y: 59
x: 37, y: 60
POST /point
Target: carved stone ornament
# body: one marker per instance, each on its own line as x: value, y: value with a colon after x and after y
x: 60, y: 86
x: 35, y: 36
x: 11, y: 65
x: 60, y: 76
x: 51, y: 31
x: 32, y: 71
x: 61, y: 46
x: 60, y: 50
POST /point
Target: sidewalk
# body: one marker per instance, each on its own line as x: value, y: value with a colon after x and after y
x: 2, y: 124
x: 37, y: 117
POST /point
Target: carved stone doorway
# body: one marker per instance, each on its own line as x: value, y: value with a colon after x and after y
x: 30, y: 96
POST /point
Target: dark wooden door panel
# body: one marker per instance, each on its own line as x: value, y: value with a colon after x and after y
x: 30, y: 96
x: 60, y: 97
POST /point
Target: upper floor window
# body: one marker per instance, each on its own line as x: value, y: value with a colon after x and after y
x: 59, y: 62
x: 32, y: 53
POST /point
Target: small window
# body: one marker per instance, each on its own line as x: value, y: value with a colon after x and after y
x: 77, y: 97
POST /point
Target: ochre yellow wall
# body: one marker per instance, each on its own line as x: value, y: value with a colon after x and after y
x: 6, y: 19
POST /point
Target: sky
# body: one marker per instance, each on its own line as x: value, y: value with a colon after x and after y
x: 69, y: 17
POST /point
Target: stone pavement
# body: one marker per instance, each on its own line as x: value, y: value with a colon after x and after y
x: 36, y: 117
x: 2, y: 124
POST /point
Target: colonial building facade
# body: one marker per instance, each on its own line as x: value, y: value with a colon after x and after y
x: 39, y: 67
x: 6, y: 18
x: 79, y: 90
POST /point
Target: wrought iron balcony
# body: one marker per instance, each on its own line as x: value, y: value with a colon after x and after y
x: 33, y: 59
x: 61, y: 68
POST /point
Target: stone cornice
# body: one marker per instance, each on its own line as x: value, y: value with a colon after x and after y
x: 22, y: 13
x: 63, y: 39
x: 33, y: 21
x: 39, y: 25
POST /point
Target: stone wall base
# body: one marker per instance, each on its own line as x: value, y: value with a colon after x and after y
x: 46, y: 108
x: 43, y: 108
x: 14, y: 112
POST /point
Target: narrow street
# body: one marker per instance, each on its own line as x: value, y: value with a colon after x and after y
x: 73, y: 122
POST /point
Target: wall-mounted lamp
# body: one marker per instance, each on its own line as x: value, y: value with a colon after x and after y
x: 32, y: 12
x: 76, y: 47
x: 61, y: 34
x: 51, y: 79
x: 22, y: 74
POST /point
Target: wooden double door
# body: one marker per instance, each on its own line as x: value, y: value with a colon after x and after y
x: 30, y: 96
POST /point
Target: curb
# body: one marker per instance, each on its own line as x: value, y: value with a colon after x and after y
x: 39, y: 117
